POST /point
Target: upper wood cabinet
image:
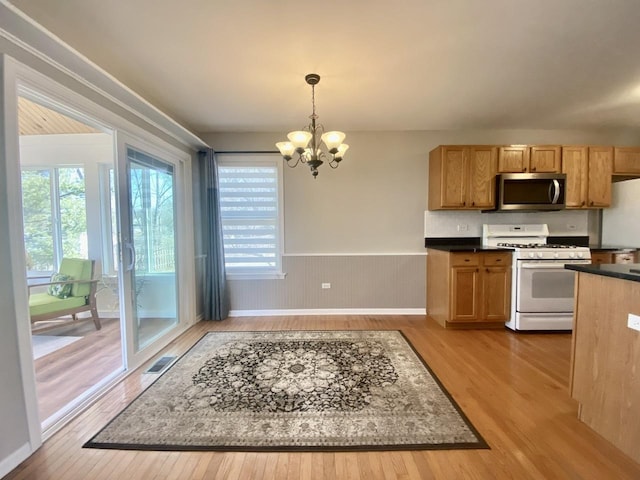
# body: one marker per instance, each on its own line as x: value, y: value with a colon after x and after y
x: 462, y: 177
x: 626, y: 161
x: 529, y: 159
x: 588, y: 171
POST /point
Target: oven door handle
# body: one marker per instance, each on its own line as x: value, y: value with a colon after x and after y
x: 557, y: 265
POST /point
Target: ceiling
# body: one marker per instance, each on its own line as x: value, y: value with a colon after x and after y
x: 36, y: 119
x: 220, y: 65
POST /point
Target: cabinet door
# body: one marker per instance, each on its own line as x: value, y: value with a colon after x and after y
x: 513, y: 159
x: 496, y: 294
x: 464, y: 294
x: 483, y: 164
x: 601, y: 257
x: 545, y: 159
x: 599, y: 185
x: 453, y: 191
x: 626, y: 161
x: 575, y: 164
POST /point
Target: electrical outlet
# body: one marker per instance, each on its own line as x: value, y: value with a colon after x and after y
x: 463, y: 227
x: 634, y: 322
x: 326, y: 285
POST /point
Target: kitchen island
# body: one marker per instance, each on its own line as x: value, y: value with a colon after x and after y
x: 605, y: 363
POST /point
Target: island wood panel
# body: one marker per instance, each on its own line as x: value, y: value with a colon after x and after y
x: 606, y: 356
x: 512, y: 387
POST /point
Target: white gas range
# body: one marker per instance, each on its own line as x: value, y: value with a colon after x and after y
x: 541, y: 288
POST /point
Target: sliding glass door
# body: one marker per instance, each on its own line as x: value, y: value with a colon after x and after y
x: 153, y: 246
x: 149, y: 244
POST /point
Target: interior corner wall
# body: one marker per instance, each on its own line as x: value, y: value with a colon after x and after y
x: 372, y: 207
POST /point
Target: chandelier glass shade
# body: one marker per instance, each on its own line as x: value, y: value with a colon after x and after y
x: 312, y: 145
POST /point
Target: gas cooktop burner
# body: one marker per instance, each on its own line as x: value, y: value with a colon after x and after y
x: 533, y: 245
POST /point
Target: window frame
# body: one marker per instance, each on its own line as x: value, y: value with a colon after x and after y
x: 249, y: 159
x: 56, y: 216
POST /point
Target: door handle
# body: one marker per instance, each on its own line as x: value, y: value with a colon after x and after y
x: 132, y: 256
x: 554, y: 191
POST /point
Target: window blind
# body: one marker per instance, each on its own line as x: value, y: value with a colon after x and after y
x: 250, y: 218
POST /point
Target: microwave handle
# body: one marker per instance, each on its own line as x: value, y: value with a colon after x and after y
x: 554, y: 191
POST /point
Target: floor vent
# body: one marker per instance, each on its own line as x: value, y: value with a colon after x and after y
x: 160, y: 365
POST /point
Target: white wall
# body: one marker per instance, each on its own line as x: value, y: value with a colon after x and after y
x: 375, y: 202
x: 445, y: 223
x: 621, y: 222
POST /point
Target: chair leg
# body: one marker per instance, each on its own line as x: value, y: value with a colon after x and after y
x: 96, y: 318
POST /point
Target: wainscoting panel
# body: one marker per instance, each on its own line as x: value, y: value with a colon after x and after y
x: 395, y: 281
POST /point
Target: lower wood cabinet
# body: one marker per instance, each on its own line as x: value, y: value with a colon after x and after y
x: 468, y: 290
x: 622, y: 256
x: 599, y: 258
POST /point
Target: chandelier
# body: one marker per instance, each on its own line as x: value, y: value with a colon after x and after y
x: 312, y: 145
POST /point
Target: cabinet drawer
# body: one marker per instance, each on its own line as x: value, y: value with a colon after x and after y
x: 465, y: 259
x: 492, y: 259
x: 601, y: 257
x: 624, y: 257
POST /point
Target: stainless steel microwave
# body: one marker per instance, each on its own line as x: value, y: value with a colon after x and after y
x: 530, y: 191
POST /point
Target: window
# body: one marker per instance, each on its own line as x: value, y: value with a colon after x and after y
x: 54, y: 215
x: 250, y: 204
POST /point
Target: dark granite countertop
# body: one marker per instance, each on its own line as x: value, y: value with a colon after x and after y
x: 611, y: 248
x: 628, y: 271
x: 468, y: 248
x: 459, y: 244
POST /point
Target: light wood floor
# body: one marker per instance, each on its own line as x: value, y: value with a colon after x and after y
x: 513, y: 388
x: 65, y: 374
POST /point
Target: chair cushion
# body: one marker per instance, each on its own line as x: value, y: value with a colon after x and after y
x: 60, y: 290
x: 79, y: 269
x: 43, y: 303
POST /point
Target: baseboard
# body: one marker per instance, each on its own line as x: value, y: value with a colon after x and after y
x: 329, y: 311
x: 13, y: 460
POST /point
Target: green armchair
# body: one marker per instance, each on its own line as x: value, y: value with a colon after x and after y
x: 71, y: 291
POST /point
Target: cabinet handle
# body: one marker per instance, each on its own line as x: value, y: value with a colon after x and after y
x: 486, y: 270
x: 473, y: 204
x: 498, y: 259
x: 467, y: 260
x: 524, y: 169
x: 477, y: 270
x: 533, y: 169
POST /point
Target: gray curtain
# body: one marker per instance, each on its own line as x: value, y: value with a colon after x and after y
x: 216, y: 295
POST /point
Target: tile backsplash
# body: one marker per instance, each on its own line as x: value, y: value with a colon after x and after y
x: 458, y: 223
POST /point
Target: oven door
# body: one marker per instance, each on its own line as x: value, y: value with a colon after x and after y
x: 545, y: 286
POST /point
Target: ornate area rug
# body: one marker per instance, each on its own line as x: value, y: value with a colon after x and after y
x: 294, y: 390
